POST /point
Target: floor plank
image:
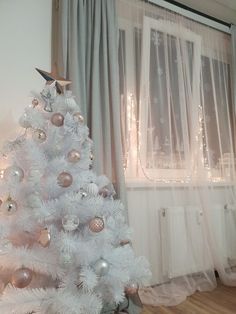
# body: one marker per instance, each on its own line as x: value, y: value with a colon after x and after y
x: 222, y: 300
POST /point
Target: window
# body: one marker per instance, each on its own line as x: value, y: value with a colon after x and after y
x: 177, y: 112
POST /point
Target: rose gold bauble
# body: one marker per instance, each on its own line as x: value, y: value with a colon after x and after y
x: 57, y: 119
x: 96, y: 224
x: 39, y: 136
x: 73, y: 156
x: 21, y: 277
x: 35, y: 102
x: 79, y: 117
x: 131, y: 289
x: 64, y: 179
x: 44, y: 237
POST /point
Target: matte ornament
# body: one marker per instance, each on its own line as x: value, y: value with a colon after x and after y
x: 35, y: 102
x: 21, y: 278
x: 101, y: 267
x: 96, y: 224
x: 9, y: 207
x: 92, y: 188
x: 131, y: 289
x: 39, y: 136
x: 57, y: 119
x: 79, y: 117
x: 14, y: 173
x: 65, y: 179
x: 73, y: 156
x: 44, y: 237
x: 70, y: 222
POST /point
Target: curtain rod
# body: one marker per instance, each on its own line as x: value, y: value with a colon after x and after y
x: 193, y: 14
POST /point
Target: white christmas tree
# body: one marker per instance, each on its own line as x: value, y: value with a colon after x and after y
x: 64, y: 244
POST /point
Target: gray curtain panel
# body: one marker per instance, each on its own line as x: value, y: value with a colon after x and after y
x: 87, y: 52
x: 233, y: 39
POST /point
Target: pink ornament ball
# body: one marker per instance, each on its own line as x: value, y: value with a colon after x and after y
x: 73, y: 156
x: 96, y: 224
x: 57, y: 119
x: 21, y: 277
x: 64, y: 179
x: 78, y: 116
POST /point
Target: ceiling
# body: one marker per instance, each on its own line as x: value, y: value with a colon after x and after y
x: 221, y: 9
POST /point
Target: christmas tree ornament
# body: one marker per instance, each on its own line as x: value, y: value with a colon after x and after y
x: 24, y: 123
x: 53, y: 76
x: 96, y: 224
x: 57, y: 119
x: 48, y: 95
x: 83, y: 193
x: 70, y: 222
x: 101, y: 267
x: 124, y: 242
x: 14, y: 173
x: 64, y: 179
x: 73, y: 156
x: 91, y: 156
x: 92, y: 188
x: 39, y: 136
x: 9, y: 207
x: 131, y: 289
x: 78, y: 116
x: 104, y: 192
x: 44, y: 237
x: 35, y: 102
x: 21, y: 277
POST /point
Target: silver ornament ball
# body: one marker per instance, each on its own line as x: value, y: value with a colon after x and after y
x: 96, y: 224
x: 9, y: 207
x: 64, y: 179
x: 70, y: 222
x: 22, y: 277
x: 57, y: 119
x: 39, y: 136
x: 14, y: 173
x: 101, y: 267
x: 73, y: 156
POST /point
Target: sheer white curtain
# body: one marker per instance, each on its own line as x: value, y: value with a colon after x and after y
x: 179, y: 144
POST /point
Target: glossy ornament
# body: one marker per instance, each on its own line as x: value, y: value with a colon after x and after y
x: 73, y: 156
x: 79, y: 117
x: 70, y: 222
x: 64, y: 179
x: 21, y: 277
x: 57, y: 119
x: 39, y: 136
x: 96, y: 224
x: 35, y: 102
x: 14, y: 173
x: 101, y: 267
x: 131, y: 289
x: 44, y: 237
x: 9, y: 207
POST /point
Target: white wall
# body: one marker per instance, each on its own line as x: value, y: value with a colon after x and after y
x: 25, y: 41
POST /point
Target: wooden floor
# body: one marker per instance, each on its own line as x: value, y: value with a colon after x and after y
x: 220, y: 301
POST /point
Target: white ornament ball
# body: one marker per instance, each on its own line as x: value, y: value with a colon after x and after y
x: 92, y: 188
x: 101, y: 267
x: 39, y: 136
x: 96, y: 224
x: 14, y: 173
x: 73, y: 156
x: 22, y: 277
x: 9, y: 207
x: 57, y: 119
x: 24, y: 123
x: 70, y: 222
x: 64, y: 179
